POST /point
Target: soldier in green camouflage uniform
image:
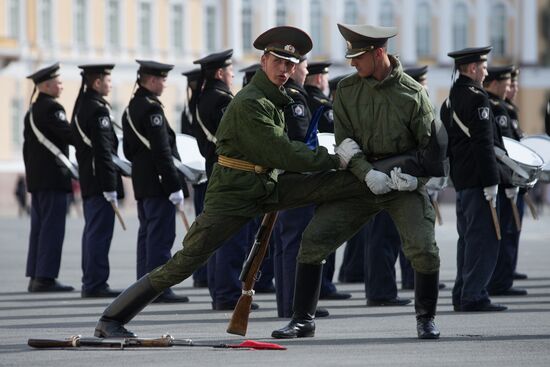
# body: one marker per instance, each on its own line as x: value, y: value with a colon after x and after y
x: 387, y: 113
x: 252, y: 147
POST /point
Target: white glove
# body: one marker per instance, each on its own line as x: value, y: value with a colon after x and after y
x: 402, y: 181
x: 378, y: 182
x: 177, y: 199
x: 111, y: 197
x: 512, y: 193
x: 490, y: 193
x: 346, y: 150
x: 433, y: 194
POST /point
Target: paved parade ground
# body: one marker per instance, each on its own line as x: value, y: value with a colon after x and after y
x: 353, y: 335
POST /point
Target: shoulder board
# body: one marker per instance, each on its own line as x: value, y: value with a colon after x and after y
x: 292, y: 90
x: 476, y: 91
x: 221, y: 91
x: 152, y: 101
x: 494, y: 102
x: 321, y: 100
x: 349, y: 80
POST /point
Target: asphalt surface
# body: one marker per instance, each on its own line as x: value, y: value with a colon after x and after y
x: 353, y: 335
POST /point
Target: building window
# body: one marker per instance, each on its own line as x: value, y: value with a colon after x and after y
x: 350, y: 12
x: 423, y: 30
x: 113, y: 24
x: 45, y: 19
x: 14, y: 10
x: 145, y: 29
x: 247, y: 25
x: 316, y: 21
x: 460, y: 26
x: 177, y: 27
x: 17, y: 121
x: 387, y: 17
x: 80, y: 23
x: 280, y: 13
x: 211, y: 28
x: 498, y: 30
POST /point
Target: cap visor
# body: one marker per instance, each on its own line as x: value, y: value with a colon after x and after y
x: 352, y: 55
x: 292, y: 59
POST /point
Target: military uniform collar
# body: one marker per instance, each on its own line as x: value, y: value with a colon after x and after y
x: 92, y: 93
x: 144, y: 92
x: 494, y: 97
x: 217, y: 84
x: 276, y: 95
x: 291, y: 83
x: 395, y: 74
x: 467, y: 81
x: 43, y: 95
x: 510, y: 104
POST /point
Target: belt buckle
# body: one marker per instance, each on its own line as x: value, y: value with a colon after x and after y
x: 258, y: 169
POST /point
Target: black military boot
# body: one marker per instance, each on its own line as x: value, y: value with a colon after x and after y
x: 425, y: 301
x: 123, y: 309
x: 306, y: 295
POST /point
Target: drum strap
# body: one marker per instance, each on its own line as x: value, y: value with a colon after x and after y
x: 463, y: 127
x: 84, y: 137
x: 501, y: 154
x: 209, y: 136
x: 52, y: 147
x: 179, y: 165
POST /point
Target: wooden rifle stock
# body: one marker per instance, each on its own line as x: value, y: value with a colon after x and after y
x: 239, y: 320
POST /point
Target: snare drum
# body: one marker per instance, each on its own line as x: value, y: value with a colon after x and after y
x: 327, y: 140
x: 527, y: 159
x: 541, y: 145
x: 191, y: 158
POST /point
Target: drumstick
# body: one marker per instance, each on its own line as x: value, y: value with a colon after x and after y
x: 495, y: 220
x: 516, y: 214
x: 184, y: 219
x: 118, y: 215
x: 531, y: 206
x: 437, y: 212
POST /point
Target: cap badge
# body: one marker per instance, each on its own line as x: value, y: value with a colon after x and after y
x: 290, y: 48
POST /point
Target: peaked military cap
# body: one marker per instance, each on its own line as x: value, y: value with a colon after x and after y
x: 193, y: 74
x: 470, y: 54
x: 499, y: 72
x: 364, y: 38
x: 216, y: 60
x: 250, y: 69
x: 418, y: 73
x: 97, y: 68
x: 285, y: 42
x: 153, y: 68
x: 44, y: 74
x: 314, y: 68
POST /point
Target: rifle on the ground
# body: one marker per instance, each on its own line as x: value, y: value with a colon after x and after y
x: 239, y: 320
x: 165, y: 341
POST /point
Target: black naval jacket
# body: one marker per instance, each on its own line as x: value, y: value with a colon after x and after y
x: 297, y: 113
x: 317, y: 99
x: 97, y: 171
x: 153, y: 170
x: 43, y: 171
x: 502, y: 119
x: 515, y: 131
x: 473, y: 161
x: 213, y: 101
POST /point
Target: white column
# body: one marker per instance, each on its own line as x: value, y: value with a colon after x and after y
x: 444, y: 31
x: 336, y: 42
x: 266, y: 9
x: 233, y: 17
x: 482, y: 24
x: 528, y: 26
x: 370, y: 11
x: 407, y: 32
x: 299, y: 10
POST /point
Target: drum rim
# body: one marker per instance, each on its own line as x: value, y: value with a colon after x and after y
x: 513, y: 141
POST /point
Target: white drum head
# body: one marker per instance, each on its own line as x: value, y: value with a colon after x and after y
x: 120, y: 149
x: 541, y: 145
x: 327, y: 140
x: 522, y: 154
x: 189, y: 152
